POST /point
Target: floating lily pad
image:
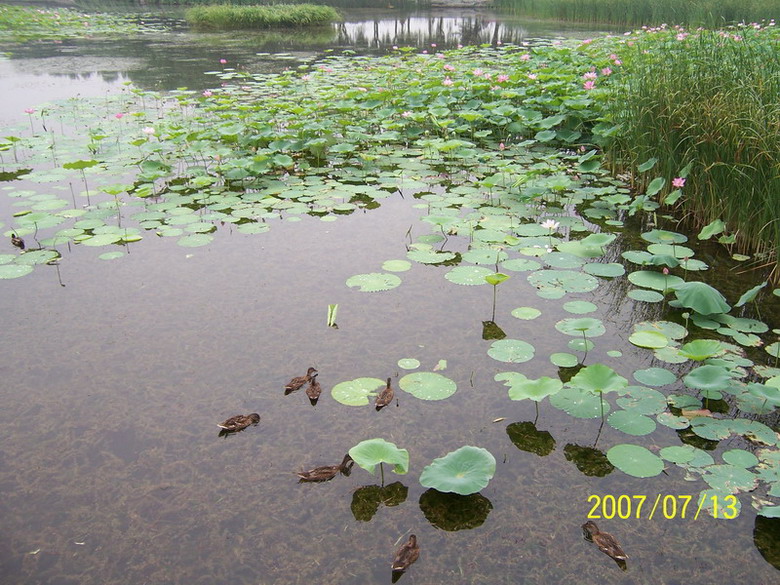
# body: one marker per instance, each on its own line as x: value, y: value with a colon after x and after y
x: 374, y: 281
x: 468, y: 275
x: 678, y: 453
x: 195, y: 240
x: 673, y: 422
x: 408, y: 363
x: 579, y: 307
x: 598, y: 378
x: 564, y: 360
x: 8, y: 271
x: 635, y: 460
x: 102, y: 239
x: 464, y: 471
x: 521, y: 265
x: 356, y: 392
x: 730, y: 478
x: 642, y: 400
x: 631, y: 423
x: 701, y: 349
x: 396, y: 265
x: 511, y: 350
x: 610, y: 270
x: 587, y: 326
x: 579, y: 403
x: 655, y: 280
x: 371, y: 452
x: 646, y: 296
x: 429, y: 256
x: 708, y: 377
x: 649, y: 339
x: 484, y: 256
x: 111, y: 255
x: 740, y: 458
x: 37, y: 257
x: 428, y: 385
x: 526, y: 313
x: 700, y: 297
x: 563, y: 281
x: 655, y: 377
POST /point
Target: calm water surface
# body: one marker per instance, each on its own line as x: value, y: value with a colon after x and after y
x: 111, y: 467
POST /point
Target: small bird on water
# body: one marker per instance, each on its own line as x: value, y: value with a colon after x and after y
x: 406, y: 555
x: 298, y: 382
x: 239, y: 422
x: 605, y: 541
x: 17, y: 241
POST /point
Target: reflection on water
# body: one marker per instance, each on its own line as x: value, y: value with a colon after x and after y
x: 112, y: 470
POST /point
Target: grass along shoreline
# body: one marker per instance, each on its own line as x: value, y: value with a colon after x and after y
x: 226, y: 16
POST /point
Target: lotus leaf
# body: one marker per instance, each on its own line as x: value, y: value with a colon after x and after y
x: 496, y: 278
x: 718, y: 505
x: 750, y: 295
x: 464, y: 471
x: 408, y: 363
x: 562, y: 281
x: 598, y: 378
x: 730, y: 478
x: 429, y: 256
x: 374, y: 281
x: 37, y: 257
x: 511, y: 350
x: 579, y: 403
x: 372, y: 452
x: 673, y: 422
x: 427, y: 385
x: 526, y: 313
x: 700, y: 297
x: 701, y: 349
x: 664, y: 237
x: 642, y: 400
x: 655, y: 376
x: 485, y: 256
x: 669, y: 250
x: 563, y: 360
x: 468, y: 275
x: 8, y: 271
x: 579, y: 307
x: 655, y: 280
x: 587, y: 326
x: 356, y: 392
x: 396, y: 265
x: 708, y: 377
x: 563, y: 260
x: 678, y: 454
x: 521, y: 265
x: 647, y: 296
x: 649, y: 339
x: 711, y: 428
x: 536, y: 390
x: 754, y: 431
x: 635, y: 460
x: 740, y: 458
x: 632, y: 423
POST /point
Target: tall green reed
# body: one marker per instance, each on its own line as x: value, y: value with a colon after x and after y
x: 646, y: 12
x: 226, y: 16
x: 710, y: 99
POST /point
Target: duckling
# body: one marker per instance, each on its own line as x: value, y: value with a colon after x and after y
x: 406, y: 555
x: 313, y: 390
x: 327, y: 472
x: 298, y: 382
x: 17, y: 241
x: 605, y: 541
x: 385, y: 397
x: 239, y: 422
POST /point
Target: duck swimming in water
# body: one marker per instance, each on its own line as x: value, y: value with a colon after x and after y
x: 605, y: 541
x: 298, y: 382
x: 327, y: 472
x: 239, y: 422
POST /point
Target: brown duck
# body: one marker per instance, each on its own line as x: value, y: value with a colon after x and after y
x: 298, y: 382
x: 313, y: 390
x: 17, y: 241
x: 605, y: 541
x: 239, y: 422
x: 385, y: 397
x: 406, y: 555
x: 327, y: 472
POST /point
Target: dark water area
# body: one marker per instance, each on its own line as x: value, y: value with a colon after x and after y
x: 114, y: 375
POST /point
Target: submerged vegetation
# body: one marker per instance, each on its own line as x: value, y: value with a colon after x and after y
x: 227, y: 16
x: 712, y: 13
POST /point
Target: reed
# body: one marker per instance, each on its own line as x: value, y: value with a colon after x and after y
x: 646, y: 12
x: 227, y: 16
x: 710, y: 99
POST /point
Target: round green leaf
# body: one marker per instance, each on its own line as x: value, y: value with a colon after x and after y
x: 655, y: 377
x: 579, y: 307
x: 579, y: 403
x: 588, y: 326
x: 468, y: 275
x: 370, y: 453
x: 631, y: 423
x: 427, y: 385
x: 511, y: 350
x: 374, y: 281
x: 635, y: 460
x: 649, y: 339
x: 396, y: 265
x: 408, y: 363
x: 464, y: 471
x: 740, y: 458
x: 536, y: 390
x: 563, y: 360
x: 8, y: 271
x: 356, y: 392
x: 195, y: 240
x: 526, y: 313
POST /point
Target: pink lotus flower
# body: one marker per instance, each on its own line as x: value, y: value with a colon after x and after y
x: 305, y: 77
x: 678, y: 182
x: 477, y: 72
x: 502, y: 78
x: 449, y: 67
x: 29, y: 111
x: 223, y: 61
x: 532, y: 76
x: 525, y: 57
x: 207, y: 93
x: 501, y: 146
x: 119, y: 116
x: 447, y: 81
x: 606, y: 71
x: 590, y: 75
x: 149, y: 131
x: 589, y: 84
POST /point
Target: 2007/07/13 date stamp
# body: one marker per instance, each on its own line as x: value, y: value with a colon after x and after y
x: 664, y: 506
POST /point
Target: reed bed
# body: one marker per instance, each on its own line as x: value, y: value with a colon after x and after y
x: 643, y: 12
x: 711, y: 100
x: 226, y: 16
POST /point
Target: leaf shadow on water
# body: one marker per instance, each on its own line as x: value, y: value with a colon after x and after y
x: 452, y: 512
x: 367, y: 499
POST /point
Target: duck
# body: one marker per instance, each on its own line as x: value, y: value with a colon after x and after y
x: 385, y: 397
x: 298, y: 382
x: 605, y: 541
x: 406, y: 555
x: 17, y: 241
x: 327, y: 472
x: 239, y: 422
x: 313, y: 390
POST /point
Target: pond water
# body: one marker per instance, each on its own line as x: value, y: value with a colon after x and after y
x: 115, y: 374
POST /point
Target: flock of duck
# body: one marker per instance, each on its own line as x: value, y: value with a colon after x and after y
x: 410, y: 550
